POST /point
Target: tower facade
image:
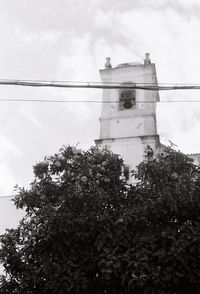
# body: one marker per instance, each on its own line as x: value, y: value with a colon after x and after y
x: 128, y: 117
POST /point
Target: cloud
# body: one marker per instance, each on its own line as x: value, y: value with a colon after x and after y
x: 7, y: 147
x: 8, y: 180
x: 28, y: 112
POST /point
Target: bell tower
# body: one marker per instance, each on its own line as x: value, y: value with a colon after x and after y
x: 128, y: 117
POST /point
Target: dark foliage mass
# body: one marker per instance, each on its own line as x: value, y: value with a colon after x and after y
x: 87, y: 231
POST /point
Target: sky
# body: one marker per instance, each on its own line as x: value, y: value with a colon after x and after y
x: 69, y: 40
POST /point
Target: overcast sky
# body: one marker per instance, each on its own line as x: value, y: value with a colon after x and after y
x: 69, y: 40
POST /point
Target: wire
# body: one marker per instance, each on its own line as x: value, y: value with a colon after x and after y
x: 98, y: 85
x: 7, y: 196
x: 90, y: 101
x: 97, y: 82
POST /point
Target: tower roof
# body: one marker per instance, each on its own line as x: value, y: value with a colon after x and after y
x: 108, y: 64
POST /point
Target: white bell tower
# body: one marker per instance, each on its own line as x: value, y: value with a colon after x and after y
x: 128, y: 117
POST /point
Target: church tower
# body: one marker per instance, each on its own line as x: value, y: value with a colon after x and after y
x: 128, y: 117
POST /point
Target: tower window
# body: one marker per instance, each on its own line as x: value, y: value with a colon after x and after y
x: 125, y: 172
x: 127, y: 99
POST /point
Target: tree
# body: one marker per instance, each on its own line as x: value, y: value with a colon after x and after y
x: 87, y: 231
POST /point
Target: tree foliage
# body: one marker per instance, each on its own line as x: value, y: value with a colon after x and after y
x: 87, y: 231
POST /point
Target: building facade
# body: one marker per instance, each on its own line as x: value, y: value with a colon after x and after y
x: 128, y: 117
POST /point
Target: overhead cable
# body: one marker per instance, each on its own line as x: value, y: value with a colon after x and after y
x: 7, y: 196
x: 90, y: 101
x: 96, y: 85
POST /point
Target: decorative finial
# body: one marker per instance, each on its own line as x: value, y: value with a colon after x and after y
x: 147, y: 60
x: 108, y: 64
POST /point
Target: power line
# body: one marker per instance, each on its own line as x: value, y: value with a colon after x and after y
x: 90, y: 101
x: 7, y: 196
x: 99, y: 85
x: 97, y: 82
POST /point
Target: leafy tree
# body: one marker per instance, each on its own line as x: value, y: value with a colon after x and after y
x: 87, y: 231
